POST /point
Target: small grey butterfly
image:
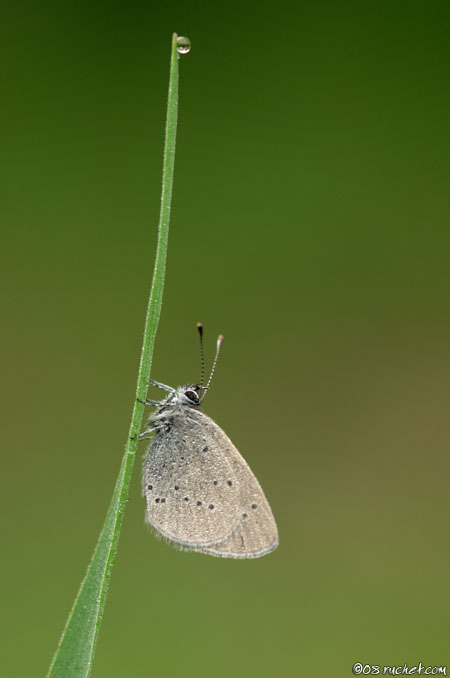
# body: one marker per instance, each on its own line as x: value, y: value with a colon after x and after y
x: 200, y: 493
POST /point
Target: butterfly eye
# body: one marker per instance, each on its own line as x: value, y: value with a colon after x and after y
x: 192, y: 396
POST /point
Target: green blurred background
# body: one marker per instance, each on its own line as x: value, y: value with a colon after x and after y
x: 310, y: 226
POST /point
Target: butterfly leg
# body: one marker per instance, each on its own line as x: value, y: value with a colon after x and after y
x: 143, y: 436
x: 149, y: 401
x: 146, y: 435
x: 164, y: 387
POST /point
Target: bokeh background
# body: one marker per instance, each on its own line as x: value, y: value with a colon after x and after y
x: 310, y: 226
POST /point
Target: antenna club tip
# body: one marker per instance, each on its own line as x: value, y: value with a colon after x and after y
x: 219, y: 340
x: 200, y: 327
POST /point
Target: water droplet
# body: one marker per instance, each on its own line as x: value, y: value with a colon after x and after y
x: 183, y: 45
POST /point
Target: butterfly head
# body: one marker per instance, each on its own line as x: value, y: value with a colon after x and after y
x: 190, y: 395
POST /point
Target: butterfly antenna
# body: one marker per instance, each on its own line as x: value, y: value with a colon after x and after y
x: 219, y: 344
x: 202, y: 355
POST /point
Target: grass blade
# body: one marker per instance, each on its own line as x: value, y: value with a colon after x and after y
x: 75, y: 652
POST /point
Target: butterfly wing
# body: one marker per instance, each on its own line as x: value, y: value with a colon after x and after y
x: 189, y: 484
x: 256, y: 533
x: 202, y: 495
x: 255, y: 536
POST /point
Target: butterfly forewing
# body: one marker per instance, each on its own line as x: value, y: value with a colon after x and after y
x: 190, y: 483
x: 255, y: 536
x: 202, y: 495
x: 256, y: 533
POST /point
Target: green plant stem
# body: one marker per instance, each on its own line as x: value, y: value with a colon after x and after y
x: 75, y: 652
